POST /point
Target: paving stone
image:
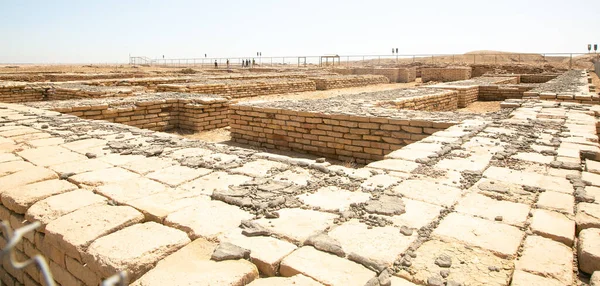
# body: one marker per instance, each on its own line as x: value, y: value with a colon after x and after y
x: 587, y: 216
x: 298, y: 279
x: 207, y: 219
x: 503, y: 240
x: 504, y: 191
x: 217, y: 181
x: 51, y: 155
x: 21, y: 198
x: 588, y: 250
x: 259, y: 168
x: 22, y: 130
x: 394, y: 165
x: 380, y: 244
x: 54, y: 207
x: 297, y: 225
x: 53, y: 141
x: 177, y: 175
x: 529, y: 179
x: 379, y: 182
x: 136, y: 248
x: 103, y: 177
x: 324, y: 267
x: 563, y: 173
x: 125, y: 191
x: 476, y: 163
x: 298, y: 176
x: 8, y: 157
x: 470, y: 266
x: 361, y: 174
x: 428, y: 192
x: 409, y: 154
x: 191, y: 265
x: 485, y: 207
x: 157, y: 207
x: 553, y: 225
x: 265, y: 252
x: 595, y: 279
x: 119, y: 160
x: 75, y: 231
x: 418, y: 214
x: 594, y: 179
x: 10, y: 147
x: 533, y: 157
x: 78, y: 167
x: 189, y: 152
x: 522, y: 278
x: 8, y: 168
x: 333, y: 198
x: 592, y: 166
x: 555, y: 201
x: 147, y: 165
x: 84, y: 146
x: 593, y: 192
x: 24, y: 177
x: 547, y: 258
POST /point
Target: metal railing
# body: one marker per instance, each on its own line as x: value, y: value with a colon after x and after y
x: 362, y: 60
x: 14, y: 237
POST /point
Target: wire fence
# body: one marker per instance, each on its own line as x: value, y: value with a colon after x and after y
x: 361, y: 60
x: 14, y: 237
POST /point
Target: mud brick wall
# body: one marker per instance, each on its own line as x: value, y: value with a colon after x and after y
x: 352, y: 138
x: 466, y: 94
x: 238, y: 89
x: 502, y: 92
x: 537, y: 78
x: 447, y: 101
x: 577, y: 98
x: 158, y: 114
x: 20, y: 92
x: 198, y: 116
x: 60, y: 93
x: 445, y: 74
x: 342, y: 81
x: 408, y: 74
x: 149, y: 83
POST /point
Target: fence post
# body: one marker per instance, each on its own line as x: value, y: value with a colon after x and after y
x: 348, y: 61
x: 432, y: 59
x: 379, y: 60
x: 571, y: 61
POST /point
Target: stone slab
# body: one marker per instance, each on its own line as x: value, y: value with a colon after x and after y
x: 529, y: 179
x: 488, y: 208
x: 24, y: 177
x: 333, y: 198
x: 136, y: 248
x: 556, y: 201
x: 54, y: 207
x: 177, y: 175
x: 259, y: 168
x: 587, y: 216
x: 547, y: 258
x: 428, y: 192
x: 217, y: 181
x: 103, y: 177
x: 297, y: 225
x: 325, y: 268
x: 553, y: 225
x: 21, y: 198
x: 503, y: 240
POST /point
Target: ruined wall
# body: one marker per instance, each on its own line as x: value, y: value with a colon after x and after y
x: 159, y: 114
x: 502, y: 92
x: 81, y: 91
x: 344, y: 137
x: 445, y: 74
x: 447, y: 101
x: 407, y: 74
x: 537, y: 78
x: 17, y: 92
x: 237, y: 89
x: 342, y: 81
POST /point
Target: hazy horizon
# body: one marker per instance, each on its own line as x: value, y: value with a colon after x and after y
x: 63, y: 32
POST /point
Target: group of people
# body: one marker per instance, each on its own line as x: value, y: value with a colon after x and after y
x: 245, y: 63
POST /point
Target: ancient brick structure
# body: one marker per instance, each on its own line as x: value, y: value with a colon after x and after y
x: 445, y: 74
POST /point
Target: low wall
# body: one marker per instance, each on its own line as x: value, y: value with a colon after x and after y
x: 158, y: 112
x: 358, y: 139
x: 342, y: 81
x: 469, y: 90
x: 537, y: 78
x: 150, y: 83
x: 571, y: 86
x: 408, y: 74
x: 503, y: 92
x: 18, y: 92
x: 444, y: 101
x: 77, y: 91
x: 237, y: 88
x: 56, y: 77
x: 445, y: 74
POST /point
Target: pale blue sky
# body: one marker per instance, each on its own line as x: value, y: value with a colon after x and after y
x: 62, y: 31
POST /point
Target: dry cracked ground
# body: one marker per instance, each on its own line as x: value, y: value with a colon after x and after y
x: 511, y: 201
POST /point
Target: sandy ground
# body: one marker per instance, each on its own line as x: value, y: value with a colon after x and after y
x: 595, y: 81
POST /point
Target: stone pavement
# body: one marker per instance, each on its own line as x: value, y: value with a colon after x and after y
x: 509, y: 201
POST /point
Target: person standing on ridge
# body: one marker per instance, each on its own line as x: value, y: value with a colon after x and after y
x: 216, y: 65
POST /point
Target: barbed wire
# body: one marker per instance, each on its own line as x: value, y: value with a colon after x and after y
x: 14, y: 237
